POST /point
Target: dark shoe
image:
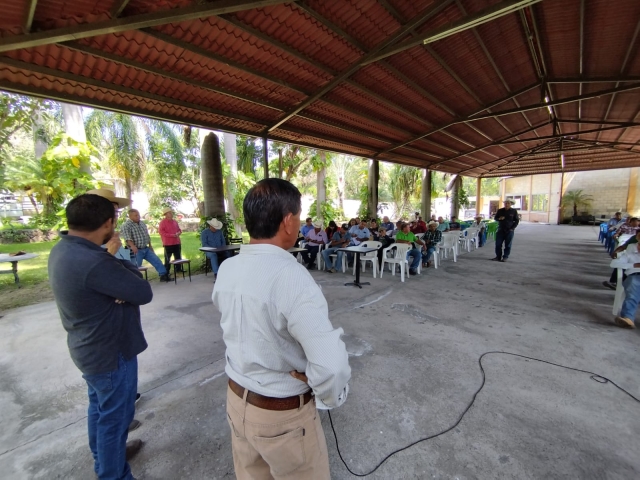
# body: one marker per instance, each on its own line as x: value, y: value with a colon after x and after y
x: 311, y: 266
x: 496, y: 259
x: 624, y: 322
x: 610, y: 285
x: 327, y: 270
x: 133, y: 425
x: 504, y: 259
x: 165, y: 278
x: 413, y: 272
x: 138, y: 397
x: 133, y: 447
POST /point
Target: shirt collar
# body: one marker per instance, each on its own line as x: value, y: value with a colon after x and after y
x: 65, y: 237
x: 265, y: 249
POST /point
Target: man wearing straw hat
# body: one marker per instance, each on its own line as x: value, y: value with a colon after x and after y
x: 170, y: 234
x: 315, y: 237
x: 213, y: 237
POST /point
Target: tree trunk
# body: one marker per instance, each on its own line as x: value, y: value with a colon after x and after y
x: 74, y: 127
x: 373, y: 179
x: 426, y: 195
x: 341, y: 170
x: 231, y: 156
x: 128, y: 188
x: 212, y: 184
x: 38, y: 144
x: 280, y: 163
x: 320, y: 186
x: 34, y: 203
x: 455, y: 196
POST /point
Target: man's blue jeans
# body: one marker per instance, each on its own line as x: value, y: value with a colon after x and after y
x: 112, y: 398
x: 482, y: 237
x: 632, y: 297
x: 150, y: 256
x: 428, y: 255
x: 328, y: 262
x: 416, y: 256
x: 507, y: 239
x: 213, y: 259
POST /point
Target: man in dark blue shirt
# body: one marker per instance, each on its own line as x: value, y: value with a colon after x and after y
x: 99, y: 298
x: 508, y: 221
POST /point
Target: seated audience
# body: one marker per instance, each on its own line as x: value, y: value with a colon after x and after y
x: 454, y: 224
x: 616, y: 220
x: 387, y: 224
x: 405, y: 236
x: 443, y: 225
x: 419, y: 226
x: 331, y: 229
x: 340, y: 239
x: 315, y: 237
x: 432, y: 238
x: 385, y: 240
x: 629, y: 228
x: 359, y: 233
x: 307, y: 227
x: 373, y: 228
x: 627, y: 316
x: 214, y: 238
x: 613, y: 280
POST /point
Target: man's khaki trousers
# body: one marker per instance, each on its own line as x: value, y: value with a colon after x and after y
x: 278, y: 445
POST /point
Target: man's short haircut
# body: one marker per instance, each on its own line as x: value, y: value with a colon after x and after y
x: 88, y: 212
x: 307, y: 219
x: 618, y: 213
x: 345, y: 226
x: 131, y: 210
x: 266, y: 205
x: 633, y: 219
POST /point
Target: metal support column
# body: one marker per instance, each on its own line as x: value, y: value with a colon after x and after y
x: 265, y: 152
x: 478, y: 196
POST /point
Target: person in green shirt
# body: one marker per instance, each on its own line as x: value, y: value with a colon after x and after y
x: 406, y: 236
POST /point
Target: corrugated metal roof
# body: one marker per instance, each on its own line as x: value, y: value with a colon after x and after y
x: 451, y: 105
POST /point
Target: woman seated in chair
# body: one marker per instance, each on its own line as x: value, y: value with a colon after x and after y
x: 386, y: 241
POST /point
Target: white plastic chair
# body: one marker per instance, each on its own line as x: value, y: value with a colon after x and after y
x: 449, y: 243
x: 399, y: 252
x: 620, y: 263
x: 344, y: 260
x: 471, y: 237
x: 369, y: 257
x: 320, y: 258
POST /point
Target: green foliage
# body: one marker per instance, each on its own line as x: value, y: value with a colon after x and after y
x: 576, y: 199
x: 128, y: 143
x: 363, y: 210
x: 56, y: 176
x: 463, y: 199
x: 250, y: 154
x: 404, y: 184
x: 328, y: 211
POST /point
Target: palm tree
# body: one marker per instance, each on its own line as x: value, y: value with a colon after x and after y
x: 403, y: 183
x: 577, y: 199
x: 127, y: 143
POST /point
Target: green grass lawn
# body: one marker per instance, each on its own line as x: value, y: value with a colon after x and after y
x: 34, y: 278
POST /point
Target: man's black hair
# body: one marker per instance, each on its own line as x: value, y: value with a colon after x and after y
x: 266, y: 205
x: 345, y: 226
x: 88, y: 212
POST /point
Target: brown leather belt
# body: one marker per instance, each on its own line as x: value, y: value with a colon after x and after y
x: 269, y: 403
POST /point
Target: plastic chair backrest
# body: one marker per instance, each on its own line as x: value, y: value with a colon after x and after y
x: 371, y: 244
x: 401, y: 249
x: 449, y: 241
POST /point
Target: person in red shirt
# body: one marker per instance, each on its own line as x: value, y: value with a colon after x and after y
x: 419, y: 226
x: 170, y: 234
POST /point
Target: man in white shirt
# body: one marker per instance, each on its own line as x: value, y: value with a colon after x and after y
x: 627, y: 316
x: 315, y: 238
x: 482, y: 230
x: 275, y: 324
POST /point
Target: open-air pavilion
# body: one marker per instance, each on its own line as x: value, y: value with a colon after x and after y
x: 480, y: 88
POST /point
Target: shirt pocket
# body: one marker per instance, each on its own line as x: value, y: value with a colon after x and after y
x: 284, y: 453
x: 100, y: 382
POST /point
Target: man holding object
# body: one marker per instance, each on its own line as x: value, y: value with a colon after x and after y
x: 99, y: 298
x: 284, y: 358
x: 508, y: 221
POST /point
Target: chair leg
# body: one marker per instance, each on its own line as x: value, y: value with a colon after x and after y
x: 175, y: 276
x: 189, y: 265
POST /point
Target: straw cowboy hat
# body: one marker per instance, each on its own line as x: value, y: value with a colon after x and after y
x: 433, y: 222
x: 215, y: 223
x: 167, y: 210
x: 317, y: 224
x: 111, y: 196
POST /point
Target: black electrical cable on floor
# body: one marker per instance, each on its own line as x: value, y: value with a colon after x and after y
x: 593, y: 376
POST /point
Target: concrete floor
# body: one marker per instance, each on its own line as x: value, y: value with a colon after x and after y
x: 415, y: 348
